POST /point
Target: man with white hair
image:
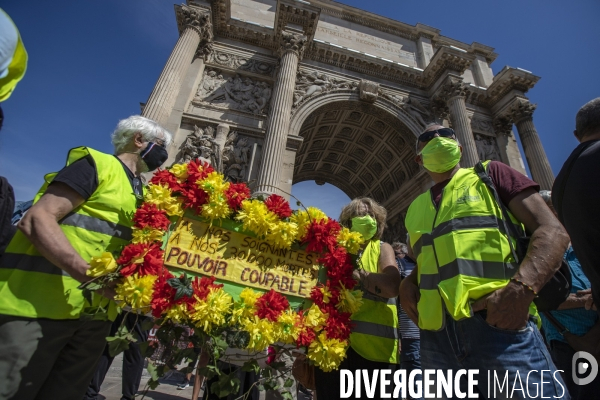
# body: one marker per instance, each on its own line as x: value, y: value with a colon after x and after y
x: 48, y: 349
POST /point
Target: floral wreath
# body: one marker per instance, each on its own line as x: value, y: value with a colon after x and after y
x: 261, y: 319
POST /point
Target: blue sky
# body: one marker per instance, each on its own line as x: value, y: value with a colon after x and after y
x: 93, y: 62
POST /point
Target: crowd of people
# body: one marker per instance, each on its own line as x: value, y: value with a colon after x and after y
x: 460, y: 293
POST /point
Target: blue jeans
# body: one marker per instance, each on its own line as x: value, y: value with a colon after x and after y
x: 410, y: 358
x: 562, y: 355
x: 473, y: 344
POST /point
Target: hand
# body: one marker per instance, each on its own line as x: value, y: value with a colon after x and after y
x: 507, y: 308
x: 409, y: 297
x: 108, y: 291
x: 589, y: 300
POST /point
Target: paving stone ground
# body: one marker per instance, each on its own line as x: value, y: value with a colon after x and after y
x: 167, y: 390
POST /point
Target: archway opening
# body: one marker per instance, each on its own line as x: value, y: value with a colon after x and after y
x: 325, y: 196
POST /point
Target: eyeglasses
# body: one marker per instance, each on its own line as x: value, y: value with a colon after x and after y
x: 427, y: 136
x: 444, y: 132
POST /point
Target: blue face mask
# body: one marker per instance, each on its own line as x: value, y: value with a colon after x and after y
x: 365, y: 225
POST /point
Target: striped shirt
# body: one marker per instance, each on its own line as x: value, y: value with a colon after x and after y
x: 406, y: 328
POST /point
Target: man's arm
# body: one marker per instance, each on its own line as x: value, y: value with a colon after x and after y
x: 40, y: 226
x: 386, y: 282
x: 508, y: 307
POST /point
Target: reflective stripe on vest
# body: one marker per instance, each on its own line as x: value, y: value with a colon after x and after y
x: 375, y: 332
x: 30, y: 285
x: 97, y: 225
x: 461, y: 247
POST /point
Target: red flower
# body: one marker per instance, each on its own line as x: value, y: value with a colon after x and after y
x: 148, y: 215
x: 322, y: 235
x: 203, y: 285
x: 305, y: 337
x: 338, y: 324
x: 194, y: 197
x: 270, y: 305
x: 198, y: 170
x: 272, y: 354
x: 235, y: 194
x: 316, y: 295
x: 141, y: 258
x: 164, y: 177
x: 278, y: 205
x: 163, y: 295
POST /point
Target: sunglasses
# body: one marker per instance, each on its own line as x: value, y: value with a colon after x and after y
x: 444, y: 132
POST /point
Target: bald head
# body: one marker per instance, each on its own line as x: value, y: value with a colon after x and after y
x: 587, y: 121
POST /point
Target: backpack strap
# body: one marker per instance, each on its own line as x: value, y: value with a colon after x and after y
x: 509, y: 226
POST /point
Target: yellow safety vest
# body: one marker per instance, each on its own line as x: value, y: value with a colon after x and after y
x: 30, y: 285
x: 461, y: 248
x: 375, y: 332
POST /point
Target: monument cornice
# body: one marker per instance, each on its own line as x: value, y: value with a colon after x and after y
x: 446, y: 59
x: 510, y: 79
x: 360, y: 62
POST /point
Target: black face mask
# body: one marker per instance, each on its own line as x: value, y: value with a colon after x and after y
x: 154, y: 155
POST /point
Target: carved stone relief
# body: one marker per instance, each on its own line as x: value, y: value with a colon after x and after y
x: 368, y: 90
x: 412, y: 106
x: 235, y: 92
x: 312, y: 84
x: 199, y: 144
x: 482, y: 125
x: 236, y: 157
x: 231, y: 158
x: 243, y: 63
x: 396, y: 230
x: 486, y: 148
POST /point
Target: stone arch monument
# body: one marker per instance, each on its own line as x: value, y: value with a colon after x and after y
x: 275, y: 92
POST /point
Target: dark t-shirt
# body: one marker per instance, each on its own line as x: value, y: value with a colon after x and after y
x: 82, y: 177
x: 508, y: 182
x: 579, y: 210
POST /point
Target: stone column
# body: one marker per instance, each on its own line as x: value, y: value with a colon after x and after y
x: 454, y: 92
x: 196, y: 28
x: 278, y: 122
x: 534, y: 151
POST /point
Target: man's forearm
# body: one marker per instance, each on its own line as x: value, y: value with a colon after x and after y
x: 544, y: 256
x: 47, y: 237
x: 381, y: 284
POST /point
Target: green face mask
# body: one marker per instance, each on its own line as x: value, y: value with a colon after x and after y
x: 440, y: 154
x: 365, y: 225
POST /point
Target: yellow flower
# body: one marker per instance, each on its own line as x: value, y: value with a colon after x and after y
x: 213, y: 183
x: 326, y: 294
x: 180, y: 171
x: 315, y: 318
x: 216, y: 208
x: 350, y: 240
x: 212, y: 313
x: 178, y: 313
x: 288, y: 322
x: 282, y: 234
x: 304, y: 218
x: 146, y: 235
x: 162, y: 197
x: 136, y: 291
x: 262, y: 333
x: 256, y: 217
x: 103, y: 265
x: 349, y: 300
x: 249, y: 296
x: 244, y: 308
x: 327, y: 354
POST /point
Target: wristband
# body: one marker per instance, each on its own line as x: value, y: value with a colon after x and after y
x: 526, y: 285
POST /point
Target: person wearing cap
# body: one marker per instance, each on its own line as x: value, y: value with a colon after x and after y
x: 470, y: 298
x: 48, y: 347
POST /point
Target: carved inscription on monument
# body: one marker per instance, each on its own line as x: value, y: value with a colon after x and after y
x: 368, y: 40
